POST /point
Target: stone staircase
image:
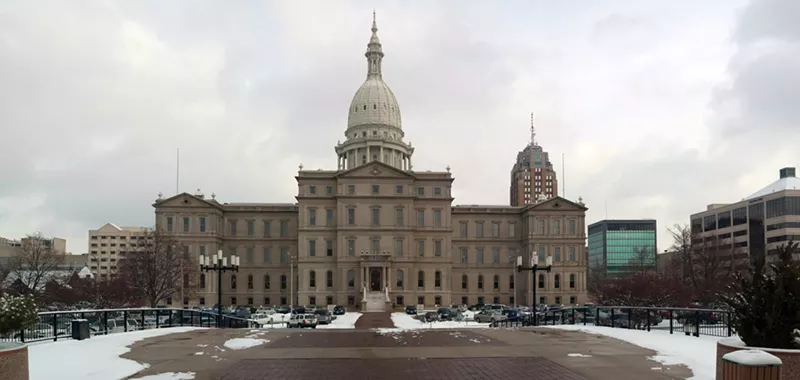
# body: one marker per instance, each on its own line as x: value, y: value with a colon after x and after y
x: 375, y: 302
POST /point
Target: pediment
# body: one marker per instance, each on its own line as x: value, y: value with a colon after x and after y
x: 184, y: 200
x: 109, y: 227
x: 375, y: 170
x: 558, y: 203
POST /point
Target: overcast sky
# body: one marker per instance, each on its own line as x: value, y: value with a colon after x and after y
x: 660, y: 108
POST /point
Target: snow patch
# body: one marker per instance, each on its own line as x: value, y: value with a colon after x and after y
x: 579, y: 356
x: 168, y: 376
x: 199, y: 353
x: 346, y: 321
x: 752, y: 358
x: 243, y: 343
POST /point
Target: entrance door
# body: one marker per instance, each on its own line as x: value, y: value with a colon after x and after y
x: 375, y: 279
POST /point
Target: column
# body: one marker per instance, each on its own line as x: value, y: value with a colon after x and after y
x: 381, y: 155
x: 388, y: 277
x: 410, y: 166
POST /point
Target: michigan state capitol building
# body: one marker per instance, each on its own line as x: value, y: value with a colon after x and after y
x: 375, y: 232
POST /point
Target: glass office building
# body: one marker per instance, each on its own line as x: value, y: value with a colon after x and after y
x: 622, y: 247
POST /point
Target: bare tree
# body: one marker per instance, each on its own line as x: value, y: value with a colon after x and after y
x: 707, y: 264
x: 158, y: 268
x: 643, y: 260
x: 35, y: 266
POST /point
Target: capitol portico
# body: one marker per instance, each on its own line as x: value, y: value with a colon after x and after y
x: 375, y: 232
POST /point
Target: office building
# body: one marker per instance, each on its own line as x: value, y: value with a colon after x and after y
x: 622, y: 247
x: 532, y: 177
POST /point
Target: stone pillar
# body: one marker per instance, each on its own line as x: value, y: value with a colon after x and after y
x: 388, y: 277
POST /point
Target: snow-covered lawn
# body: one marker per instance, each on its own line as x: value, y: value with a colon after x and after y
x: 346, y: 321
x: 95, y: 358
x: 697, y: 353
x: 405, y: 322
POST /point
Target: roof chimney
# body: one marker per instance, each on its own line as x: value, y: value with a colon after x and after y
x: 787, y: 172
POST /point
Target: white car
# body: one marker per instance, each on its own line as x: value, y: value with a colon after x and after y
x: 263, y: 319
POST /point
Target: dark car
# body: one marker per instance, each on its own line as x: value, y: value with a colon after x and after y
x: 411, y: 310
x: 338, y: 310
x: 282, y: 310
x: 430, y: 316
x: 323, y: 316
x: 299, y: 310
x: 512, y: 314
x: 445, y: 314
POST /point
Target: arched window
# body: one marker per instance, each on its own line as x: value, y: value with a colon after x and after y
x: 496, y: 282
x: 249, y: 281
x: 511, y: 281
x: 437, y: 279
x: 351, y: 278
x: 233, y: 281
x: 421, y: 279
x: 329, y: 279
x: 283, y: 281
x: 399, y: 279
x: 557, y: 281
x: 266, y: 281
x: 202, y: 280
x: 480, y: 281
x: 572, y: 281
x: 464, y: 281
x: 312, y: 279
x: 541, y: 281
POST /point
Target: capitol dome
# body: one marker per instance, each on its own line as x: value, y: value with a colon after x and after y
x: 374, y: 103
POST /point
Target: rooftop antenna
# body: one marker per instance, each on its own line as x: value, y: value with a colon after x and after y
x: 178, y: 173
x: 533, y: 131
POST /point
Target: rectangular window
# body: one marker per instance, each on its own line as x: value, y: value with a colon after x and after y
x: 571, y: 253
x: 329, y: 247
x: 376, y: 246
x: 267, y: 228
x: 233, y: 227
x: 351, y: 189
x: 267, y: 255
x: 351, y: 216
x: 437, y: 191
x: 376, y: 189
x: 312, y: 217
x: 351, y: 247
x: 542, y: 252
x: 312, y: 247
x: 328, y: 217
x: 312, y: 189
x: 250, y: 228
x: 399, y: 216
x: 202, y: 224
x: 420, y: 218
x: 420, y: 191
x: 398, y: 247
x: 202, y: 250
x: 169, y: 224
x: 556, y: 254
x: 249, y: 255
x: 284, y: 255
x: 495, y: 255
x: 437, y: 247
x: 480, y: 255
x: 376, y: 216
x: 556, y: 227
x: 399, y: 189
x: 421, y: 248
x: 512, y: 230
x: 479, y: 230
x: 329, y: 190
x: 540, y: 227
x: 437, y: 218
x: 464, y: 256
x: 185, y: 224
x: 462, y: 226
x: 284, y: 228
x: 185, y: 252
x: 571, y: 226
x: 495, y: 229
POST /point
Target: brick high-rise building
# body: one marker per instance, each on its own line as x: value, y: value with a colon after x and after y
x: 533, y: 176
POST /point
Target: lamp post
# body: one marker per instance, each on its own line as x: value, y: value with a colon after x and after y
x: 219, y: 264
x: 535, y: 268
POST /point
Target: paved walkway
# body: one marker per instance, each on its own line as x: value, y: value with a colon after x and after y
x: 430, y: 354
x: 374, y: 320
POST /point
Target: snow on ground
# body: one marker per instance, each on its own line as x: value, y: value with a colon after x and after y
x: 95, y: 358
x: 405, y: 322
x: 243, y: 343
x: 697, y: 353
x: 168, y: 376
x: 346, y: 321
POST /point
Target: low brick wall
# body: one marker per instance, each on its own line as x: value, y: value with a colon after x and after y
x: 790, y: 370
x: 14, y: 361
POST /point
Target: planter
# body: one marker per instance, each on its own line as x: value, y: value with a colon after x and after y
x: 14, y: 361
x: 790, y: 370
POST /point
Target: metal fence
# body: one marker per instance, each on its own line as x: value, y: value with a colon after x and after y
x: 57, y: 325
x: 694, y: 322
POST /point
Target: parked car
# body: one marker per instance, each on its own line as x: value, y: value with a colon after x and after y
x: 490, y: 316
x: 411, y: 310
x: 446, y: 314
x: 302, y: 320
x: 338, y: 310
x: 323, y: 316
x: 512, y: 315
x: 430, y: 316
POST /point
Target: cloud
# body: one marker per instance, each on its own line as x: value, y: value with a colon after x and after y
x: 644, y: 101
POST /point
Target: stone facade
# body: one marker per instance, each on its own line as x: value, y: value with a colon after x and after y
x: 377, y: 225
